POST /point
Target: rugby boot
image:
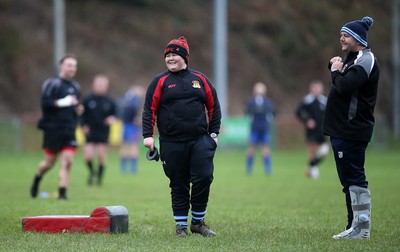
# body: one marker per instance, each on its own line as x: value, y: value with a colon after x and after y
x: 35, y: 186
x: 202, y: 229
x: 181, y: 231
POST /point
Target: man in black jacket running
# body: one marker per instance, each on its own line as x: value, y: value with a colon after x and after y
x: 60, y: 109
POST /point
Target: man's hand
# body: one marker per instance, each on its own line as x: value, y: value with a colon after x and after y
x: 310, y: 124
x: 67, y: 101
x: 337, y: 64
x: 216, y: 140
x: 79, y: 109
x: 109, y: 120
x: 334, y: 59
x: 149, y: 143
x: 85, y: 129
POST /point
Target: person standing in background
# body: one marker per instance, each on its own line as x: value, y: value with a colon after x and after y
x: 129, y: 152
x: 99, y: 114
x: 261, y: 111
x: 349, y: 121
x: 310, y: 112
x: 60, y: 111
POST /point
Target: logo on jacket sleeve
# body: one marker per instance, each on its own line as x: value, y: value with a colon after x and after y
x: 196, y: 84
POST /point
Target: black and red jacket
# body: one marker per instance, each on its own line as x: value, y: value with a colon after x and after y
x: 184, y: 104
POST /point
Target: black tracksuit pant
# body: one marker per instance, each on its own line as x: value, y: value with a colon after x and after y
x: 350, y: 159
x: 185, y: 163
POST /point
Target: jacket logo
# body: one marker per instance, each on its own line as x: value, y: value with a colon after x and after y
x: 196, y: 84
x: 171, y: 85
x: 340, y: 154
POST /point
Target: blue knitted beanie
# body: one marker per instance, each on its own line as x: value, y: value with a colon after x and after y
x: 358, y: 29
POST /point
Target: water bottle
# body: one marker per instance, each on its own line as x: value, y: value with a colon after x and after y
x: 44, y: 195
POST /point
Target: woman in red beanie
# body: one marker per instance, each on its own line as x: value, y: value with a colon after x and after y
x: 185, y: 106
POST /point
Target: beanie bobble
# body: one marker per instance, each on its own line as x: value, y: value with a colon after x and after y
x: 368, y: 20
x: 183, y: 42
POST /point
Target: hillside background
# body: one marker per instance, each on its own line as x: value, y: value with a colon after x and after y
x: 282, y: 43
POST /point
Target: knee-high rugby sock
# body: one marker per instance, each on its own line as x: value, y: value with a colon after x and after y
x: 267, y: 163
x: 122, y: 164
x: 198, y: 217
x: 315, y: 161
x: 133, y: 162
x: 89, y: 164
x: 100, y: 174
x: 62, y: 192
x: 181, y: 220
x: 249, y: 163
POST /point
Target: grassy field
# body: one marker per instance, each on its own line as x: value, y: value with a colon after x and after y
x: 282, y: 212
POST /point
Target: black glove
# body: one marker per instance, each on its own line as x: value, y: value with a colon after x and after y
x: 153, y: 155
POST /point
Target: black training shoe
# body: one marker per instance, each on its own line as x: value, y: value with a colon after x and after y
x: 100, y: 174
x: 35, y: 186
x: 202, y: 229
x: 181, y: 231
x: 99, y: 178
x: 62, y: 197
x: 91, y: 178
x: 99, y: 181
x: 62, y: 193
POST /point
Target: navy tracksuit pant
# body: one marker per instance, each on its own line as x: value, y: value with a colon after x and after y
x: 350, y: 159
x: 185, y: 163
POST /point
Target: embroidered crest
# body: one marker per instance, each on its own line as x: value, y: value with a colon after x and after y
x: 196, y: 84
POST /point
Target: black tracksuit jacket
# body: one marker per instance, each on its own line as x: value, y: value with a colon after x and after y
x: 184, y: 104
x: 350, y: 107
x: 56, y: 118
x: 312, y: 107
x: 97, y: 109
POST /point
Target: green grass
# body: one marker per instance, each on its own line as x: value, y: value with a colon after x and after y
x: 282, y: 212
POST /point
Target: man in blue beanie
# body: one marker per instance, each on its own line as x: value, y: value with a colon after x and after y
x: 349, y: 121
